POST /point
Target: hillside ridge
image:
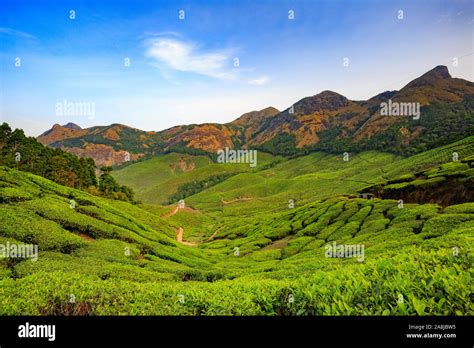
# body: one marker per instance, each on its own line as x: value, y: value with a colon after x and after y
x: 326, y: 121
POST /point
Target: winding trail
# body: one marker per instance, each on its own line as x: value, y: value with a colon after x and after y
x: 180, y: 230
x: 179, y: 237
x: 171, y: 213
x: 236, y: 200
x: 214, y: 234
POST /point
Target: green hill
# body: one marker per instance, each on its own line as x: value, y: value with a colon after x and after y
x: 154, y: 180
x: 317, y: 176
x: 244, y: 250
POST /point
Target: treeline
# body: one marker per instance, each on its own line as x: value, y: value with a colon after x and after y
x: 283, y: 144
x: 27, y: 154
x: 110, y: 188
x: 182, y: 148
x: 193, y: 187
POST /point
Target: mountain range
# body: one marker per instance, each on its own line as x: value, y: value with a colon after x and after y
x: 177, y: 233
x: 326, y: 121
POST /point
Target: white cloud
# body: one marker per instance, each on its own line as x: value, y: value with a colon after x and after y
x: 9, y: 31
x: 260, y: 81
x: 178, y: 55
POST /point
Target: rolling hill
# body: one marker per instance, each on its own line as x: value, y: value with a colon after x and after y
x: 348, y: 212
x: 300, y: 179
x: 106, y: 257
x: 155, y: 179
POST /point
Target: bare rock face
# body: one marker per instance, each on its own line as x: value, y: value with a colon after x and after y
x: 58, y: 132
x: 103, y: 155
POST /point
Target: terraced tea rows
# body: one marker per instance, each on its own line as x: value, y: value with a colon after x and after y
x: 112, y: 257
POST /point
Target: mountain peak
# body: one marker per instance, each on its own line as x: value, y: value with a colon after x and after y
x: 270, y: 110
x: 256, y: 116
x: 328, y: 93
x: 326, y: 100
x: 431, y: 77
x: 71, y: 125
x: 58, y: 132
x: 439, y: 72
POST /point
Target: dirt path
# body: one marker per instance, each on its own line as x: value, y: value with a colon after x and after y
x: 85, y: 236
x: 176, y: 209
x: 180, y: 230
x: 278, y: 244
x: 236, y: 200
x: 179, y: 234
x: 214, y: 234
x: 179, y: 237
x: 171, y: 213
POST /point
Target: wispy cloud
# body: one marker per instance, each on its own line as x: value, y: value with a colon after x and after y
x: 176, y: 54
x: 13, y: 32
x: 260, y: 81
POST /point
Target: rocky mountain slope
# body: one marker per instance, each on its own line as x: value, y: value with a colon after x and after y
x: 326, y: 121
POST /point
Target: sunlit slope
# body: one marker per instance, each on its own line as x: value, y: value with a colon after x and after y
x: 195, y: 223
x: 115, y: 258
x: 317, y: 176
x: 155, y: 179
x: 249, y: 254
x: 97, y: 236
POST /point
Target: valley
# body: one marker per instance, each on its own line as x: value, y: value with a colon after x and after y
x: 335, y: 209
x: 239, y: 248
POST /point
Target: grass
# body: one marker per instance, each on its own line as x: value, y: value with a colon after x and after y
x: 316, y: 176
x: 156, y: 179
x: 253, y: 248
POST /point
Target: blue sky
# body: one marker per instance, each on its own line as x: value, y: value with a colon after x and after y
x: 182, y: 70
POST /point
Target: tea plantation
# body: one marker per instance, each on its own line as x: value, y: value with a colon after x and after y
x: 254, y: 244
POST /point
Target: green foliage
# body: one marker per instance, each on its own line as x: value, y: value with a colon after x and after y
x: 282, y: 144
x: 111, y: 189
x: 25, y: 153
x: 440, y: 225
x: 158, y: 178
x: 25, y: 226
x: 440, y: 123
x: 190, y: 188
x: 123, y: 259
x: 467, y: 208
x: 428, y: 283
x: 181, y: 147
